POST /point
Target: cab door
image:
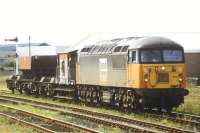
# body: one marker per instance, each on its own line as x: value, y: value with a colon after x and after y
x: 63, y: 72
x: 133, y: 69
x: 72, y: 64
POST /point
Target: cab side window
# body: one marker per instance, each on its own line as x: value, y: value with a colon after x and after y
x: 132, y: 57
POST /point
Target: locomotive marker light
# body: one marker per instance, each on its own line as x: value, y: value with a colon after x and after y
x: 180, y: 79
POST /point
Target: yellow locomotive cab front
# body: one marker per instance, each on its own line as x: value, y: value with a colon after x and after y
x: 158, y: 76
x: 163, y: 76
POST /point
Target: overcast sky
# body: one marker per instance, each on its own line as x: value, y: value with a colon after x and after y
x: 66, y: 22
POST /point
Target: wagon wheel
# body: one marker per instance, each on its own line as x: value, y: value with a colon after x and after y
x: 77, y: 93
x: 27, y: 89
x: 20, y: 88
x: 51, y: 91
x: 36, y: 91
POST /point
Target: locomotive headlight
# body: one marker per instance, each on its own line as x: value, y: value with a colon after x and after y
x: 146, y: 79
x: 163, y: 68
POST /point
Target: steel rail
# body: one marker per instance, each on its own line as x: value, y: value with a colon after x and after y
x: 66, y: 125
x: 187, y: 115
x: 27, y: 124
x: 98, y: 120
x: 105, y: 116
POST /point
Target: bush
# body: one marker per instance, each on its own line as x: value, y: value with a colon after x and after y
x: 8, y: 64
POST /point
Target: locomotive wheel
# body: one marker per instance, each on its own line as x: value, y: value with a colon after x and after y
x: 131, y: 100
x: 96, y: 95
x: 89, y: 94
x: 99, y: 97
x: 113, y: 97
x: 123, y: 98
x: 86, y: 94
x: 134, y: 100
x: 92, y: 95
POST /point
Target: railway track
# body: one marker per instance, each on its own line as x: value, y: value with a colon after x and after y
x: 27, y: 124
x: 186, y: 116
x: 41, y: 123
x: 111, y: 120
x: 182, y: 119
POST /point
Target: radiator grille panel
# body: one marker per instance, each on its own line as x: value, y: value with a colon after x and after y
x: 163, y: 77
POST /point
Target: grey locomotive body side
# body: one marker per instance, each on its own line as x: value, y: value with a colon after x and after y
x: 104, y: 70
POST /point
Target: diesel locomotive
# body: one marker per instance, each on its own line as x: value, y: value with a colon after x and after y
x: 133, y: 72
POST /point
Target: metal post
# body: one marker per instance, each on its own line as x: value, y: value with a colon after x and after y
x: 29, y: 38
x: 16, y: 71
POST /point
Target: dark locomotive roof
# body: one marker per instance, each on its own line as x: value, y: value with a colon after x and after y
x: 121, y: 45
x: 154, y: 42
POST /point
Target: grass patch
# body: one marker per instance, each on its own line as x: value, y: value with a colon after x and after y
x: 191, y: 101
x: 3, y: 82
x: 57, y: 115
x: 7, y: 126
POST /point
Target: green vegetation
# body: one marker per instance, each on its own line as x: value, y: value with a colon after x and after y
x: 9, y: 63
x: 57, y: 115
x: 192, y: 104
x: 7, y: 126
x: 3, y: 82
